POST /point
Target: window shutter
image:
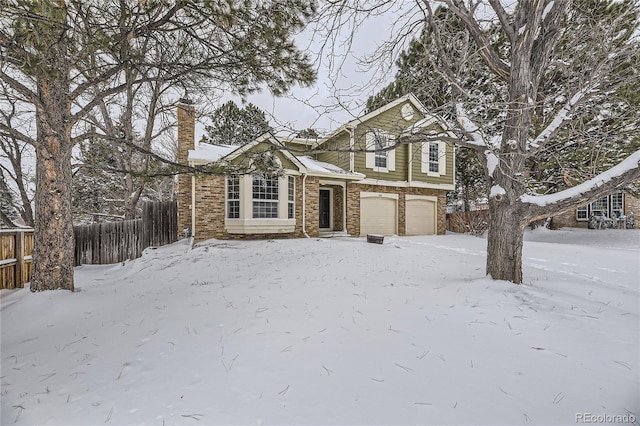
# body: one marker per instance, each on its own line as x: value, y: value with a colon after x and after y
x: 424, y: 157
x: 442, y: 158
x: 370, y: 144
x: 391, y: 156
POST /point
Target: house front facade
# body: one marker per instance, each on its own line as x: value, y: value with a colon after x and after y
x: 364, y: 178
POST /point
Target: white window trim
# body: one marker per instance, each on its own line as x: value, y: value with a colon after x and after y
x: 370, y: 143
x: 291, y: 200
x: 246, y: 224
x: 270, y: 201
x: 226, y: 197
x: 609, y: 209
x: 442, y: 159
x: 586, y: 210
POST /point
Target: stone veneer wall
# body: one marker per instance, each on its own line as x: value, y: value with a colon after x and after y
x: 211, y: 210
x: 353, y: 205
x: 186, y: 138
x: 632, y: 205
x: 312, y: 195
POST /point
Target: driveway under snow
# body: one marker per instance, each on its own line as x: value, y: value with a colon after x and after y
x: 333, y: 331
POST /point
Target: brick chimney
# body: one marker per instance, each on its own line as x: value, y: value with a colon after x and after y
x: 186, y: 129
x: 186, y: 141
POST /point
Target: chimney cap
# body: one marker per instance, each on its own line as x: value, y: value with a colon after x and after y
x: 185, y: 101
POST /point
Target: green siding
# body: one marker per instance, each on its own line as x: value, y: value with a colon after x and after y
x: 422, y: 177
x: 390, y: 121
x: 339, y: 143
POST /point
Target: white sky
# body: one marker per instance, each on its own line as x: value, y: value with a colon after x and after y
x: 343, y: 86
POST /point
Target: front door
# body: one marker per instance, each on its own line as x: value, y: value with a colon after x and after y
x: 325, y: 208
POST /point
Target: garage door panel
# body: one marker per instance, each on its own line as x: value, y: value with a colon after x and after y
x: 420, y: 217
x: 378, y: 215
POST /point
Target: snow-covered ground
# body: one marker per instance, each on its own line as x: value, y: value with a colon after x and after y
x: 333, y: 331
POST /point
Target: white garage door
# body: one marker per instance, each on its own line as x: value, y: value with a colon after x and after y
x: 378, y: 213
x: 421, y: 215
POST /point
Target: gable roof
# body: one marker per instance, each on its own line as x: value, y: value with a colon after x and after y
x: 411, y: 98
x: 208, y: 153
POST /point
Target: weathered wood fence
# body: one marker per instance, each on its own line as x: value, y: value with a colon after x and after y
x: 16, y: 248
x: 474, y: 222
x: 111, y: 242
x: 98, y: 243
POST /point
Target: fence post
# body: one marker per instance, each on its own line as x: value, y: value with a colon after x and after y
x: 19, y: 248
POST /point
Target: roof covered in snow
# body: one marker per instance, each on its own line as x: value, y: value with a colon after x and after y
x: 208, y: 153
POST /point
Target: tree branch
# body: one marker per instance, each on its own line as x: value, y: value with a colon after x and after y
x: 541, y: 206
x: 491, y: 58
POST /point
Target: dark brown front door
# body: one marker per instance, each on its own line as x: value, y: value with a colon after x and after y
x: 325, y: 208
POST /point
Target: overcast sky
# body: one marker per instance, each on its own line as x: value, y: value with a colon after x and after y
x: 343, y: 84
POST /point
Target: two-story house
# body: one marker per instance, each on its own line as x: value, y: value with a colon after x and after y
x: 361, y: 179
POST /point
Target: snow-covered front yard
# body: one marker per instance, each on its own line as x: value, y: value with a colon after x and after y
x: 333, y: 331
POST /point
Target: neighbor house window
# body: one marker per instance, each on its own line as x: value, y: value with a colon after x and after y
x: 233, y: 197
x: 434, y: 157
x: 381, y: 157
x: 265, y: 197
x: 582, y: 213
x: 600, y: 207
x: 605, y: 206
x: 617, y: 203
x: 291, y: 197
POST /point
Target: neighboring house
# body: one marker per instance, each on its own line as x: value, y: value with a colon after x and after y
x: 616, y: 204
x: 326, y: 186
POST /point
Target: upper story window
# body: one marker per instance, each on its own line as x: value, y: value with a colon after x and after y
x: 434, y: 158
x: 376, y: 157
x: 265, y: 197
x: 381, y: 157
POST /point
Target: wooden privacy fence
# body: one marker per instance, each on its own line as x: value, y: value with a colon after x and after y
x: 16, y: 248
x: 475, y: 222
x: 98, y: 243
x: 112, y: 242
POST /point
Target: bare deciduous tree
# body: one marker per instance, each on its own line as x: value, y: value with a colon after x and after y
x: 519, y: 78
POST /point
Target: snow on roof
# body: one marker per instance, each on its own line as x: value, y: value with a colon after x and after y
x: 209, y: 152
x: 322, y: 167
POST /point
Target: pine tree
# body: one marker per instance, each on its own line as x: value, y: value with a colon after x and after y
x: 232, y: 125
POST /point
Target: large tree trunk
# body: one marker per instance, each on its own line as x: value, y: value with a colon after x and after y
x: 504, y: 242
x: 53, y: 237
x: 506, y: 211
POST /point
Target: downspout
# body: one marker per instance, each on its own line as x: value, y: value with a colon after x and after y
x: 344, y: 207
x: 193, y: 207
x: 304, y: 205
